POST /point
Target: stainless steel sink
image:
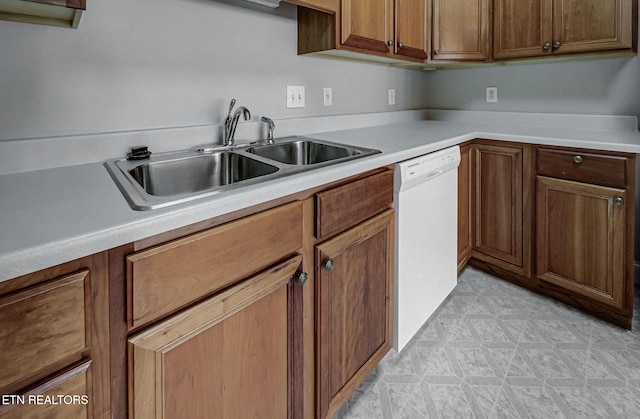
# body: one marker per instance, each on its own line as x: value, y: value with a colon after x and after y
x: 304, y: 152
x: 197, y: 173
x: 177, y: 177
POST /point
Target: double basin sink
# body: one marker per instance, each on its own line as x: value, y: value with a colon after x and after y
x: 176, y: 177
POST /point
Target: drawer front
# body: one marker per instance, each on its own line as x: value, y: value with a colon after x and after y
x: 64, y: 396
x: 44, y: 326
x: 597, y: 169
x: 168, y: 277
x: 345, y: 206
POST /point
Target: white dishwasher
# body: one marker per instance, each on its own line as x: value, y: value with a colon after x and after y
x: 426, y: 202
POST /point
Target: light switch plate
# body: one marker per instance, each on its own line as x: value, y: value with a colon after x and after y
x: 295, y: 97
x: 392, y: 96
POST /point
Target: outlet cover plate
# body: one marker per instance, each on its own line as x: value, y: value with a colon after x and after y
x: 492, y: 95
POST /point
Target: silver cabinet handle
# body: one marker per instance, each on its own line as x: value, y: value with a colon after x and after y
x: 546, y: 46
x: 436, y: 52
x: 328, y: 264
x: 577, y: 159
x: 302, y: 278
x: 618, y: 201
x: 391, y: 42
x: 557, y: 44
x: 400, y: 44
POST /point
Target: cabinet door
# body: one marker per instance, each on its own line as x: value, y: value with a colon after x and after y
x: 581, y: 238
x: 232, y: 356
x: 411, y: 28
x: 591, y: 25
x: 465, y: 243
x: 498, y: 193
x: 460, y: 29
x: 367, y: 24
x: 522, y: 29
x: 354, y: 298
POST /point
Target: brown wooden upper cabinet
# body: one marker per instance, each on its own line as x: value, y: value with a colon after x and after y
x: 390, y: 27
x: 460, y: 30
x: 544, y: 27
x: 385, y: 28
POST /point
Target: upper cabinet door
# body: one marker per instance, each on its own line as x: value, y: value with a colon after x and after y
x: 367, y: 24
x: 460, y: 29
x: 591, y: 25
x: 543, y: 27
x: 411, y: 27
x: 522, y: 29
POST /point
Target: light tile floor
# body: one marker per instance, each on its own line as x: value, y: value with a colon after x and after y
x: 495, y: 350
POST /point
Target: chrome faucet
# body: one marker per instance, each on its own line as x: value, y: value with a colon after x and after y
x: 231, y: 122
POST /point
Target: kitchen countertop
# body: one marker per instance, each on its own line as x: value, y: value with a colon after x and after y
x: 52, y: 216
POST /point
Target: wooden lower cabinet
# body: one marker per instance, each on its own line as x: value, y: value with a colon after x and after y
x: 231, y: 356
x: 500, y: 187
x: 557, y: 220
x: 54, y: 358
x: 581, y: 238
x: 354, y: 280
x: 465, y: 224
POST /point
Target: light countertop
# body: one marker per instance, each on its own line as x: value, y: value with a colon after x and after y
x: 52, y: 216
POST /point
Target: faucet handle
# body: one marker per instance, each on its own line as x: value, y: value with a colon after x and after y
x: 270, y: 127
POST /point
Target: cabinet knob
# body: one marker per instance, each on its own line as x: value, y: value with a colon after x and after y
x: 302, y: 278
x: 618, y: 201
x: 391, y: 42
x: 577, y: 159
x: 400, y: 44
x: 556, y: 44
x: 328, y: 264
x: 436, y: 52
x: 546, y: 46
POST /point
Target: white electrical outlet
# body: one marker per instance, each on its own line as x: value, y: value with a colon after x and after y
x: 327, y: 94
x: 295, y: 96
x: 392, y: 96
x: 492, y: 95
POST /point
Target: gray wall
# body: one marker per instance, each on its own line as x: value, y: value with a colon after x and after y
x: 602, y: 87
x: 167, y: 63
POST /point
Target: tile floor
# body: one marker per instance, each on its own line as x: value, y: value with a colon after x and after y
x: 495, y: 350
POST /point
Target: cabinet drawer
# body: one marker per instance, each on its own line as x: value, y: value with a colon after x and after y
x: 345, y: 206
x: 168, y: 277
x: 43, y: 326
x: 61, y: 397
x: 592, y: 168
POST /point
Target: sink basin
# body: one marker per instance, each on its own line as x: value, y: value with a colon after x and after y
x: 172, y: 178
x: 303, y: 152
x: 197, y: 173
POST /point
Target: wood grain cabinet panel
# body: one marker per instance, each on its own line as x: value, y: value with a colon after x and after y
x: 411, y: 28
x: 498, y: 208
x: 583, y: 166
x: 354, y: 306
x: 581, y: 236
x: 367, y: 24
x: 65, y: 396
x: 232, y: 356
x: 549, y: 27
x: 44, y: 326
x: 168, y: 277
x: 465, y: 224
x: 460, y: 30
x: 345, y: 206
x: 54, y: 341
